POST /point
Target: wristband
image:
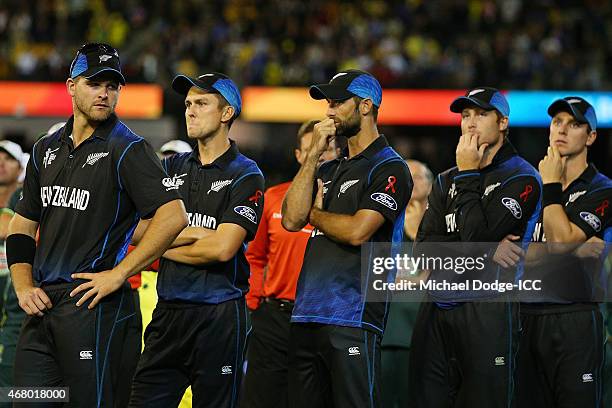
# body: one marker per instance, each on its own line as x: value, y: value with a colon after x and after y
x: 551, y: 194
x: 20, y: 248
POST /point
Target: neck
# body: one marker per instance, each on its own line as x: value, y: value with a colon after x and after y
x: 574, y: 166
x: 362, y: 140
x: 6, y: 191
x: 82, y: 129
x: 213, y: 147
x: 490, y: 153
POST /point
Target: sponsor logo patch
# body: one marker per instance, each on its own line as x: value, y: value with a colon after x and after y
x: 514, y: 207
x: 246, y: 212
x: 353, y: 351
x: 384, y: 199
x: 500, y: 361
x: 591, y: 219
x: 85, y: 355
x: 225, y: 370
x: 588, y: 377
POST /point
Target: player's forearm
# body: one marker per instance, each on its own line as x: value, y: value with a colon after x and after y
x: 557, y: 226
x: 341, y: 228
x: 205, y: 251
x: 163, y: 228
x: 21, y: 276
x: 298, y: 200
x: 189, y: 235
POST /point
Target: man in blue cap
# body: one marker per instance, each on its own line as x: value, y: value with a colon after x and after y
x: 561, y: 354
x: 334, y: 351
x: 86, y: 186
x: 198, y: 331
x: 464, y: 341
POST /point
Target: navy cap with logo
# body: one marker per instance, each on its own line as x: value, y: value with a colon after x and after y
x: 94, y: 58
x: 576, y: 106
x: 483, y: 97
x: 347, y: 84
x: 213, y: 82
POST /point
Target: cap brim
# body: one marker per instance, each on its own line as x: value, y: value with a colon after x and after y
x: 329, y: 91
x: 89, y: 74
x: 182, y: 84
x: 463, y: 102
x: 561, y: 105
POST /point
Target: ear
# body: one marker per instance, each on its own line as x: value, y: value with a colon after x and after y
x: 228, y: 114
x: 365, y: 106
x: 591, y: 138
x: 71, y: 86
x: 503, y: 123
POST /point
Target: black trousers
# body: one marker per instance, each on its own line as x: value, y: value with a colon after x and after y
x: 265, y: 384
x: 93, y: 352
x: 465, y: 356
x: 333, y: 366
x: 561, y: 359
x: 197, y: 345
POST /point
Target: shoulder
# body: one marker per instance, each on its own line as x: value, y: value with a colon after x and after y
x: 243, y: 166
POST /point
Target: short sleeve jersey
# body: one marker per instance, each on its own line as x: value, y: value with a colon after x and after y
x: 229, y: 190
x: 330, y: 288
x: 88, y: 200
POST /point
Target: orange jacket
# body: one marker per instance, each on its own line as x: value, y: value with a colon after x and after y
x: 275, y: 252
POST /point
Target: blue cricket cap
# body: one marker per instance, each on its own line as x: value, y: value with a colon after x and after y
x: 347, y: 84
x: 483, y: 97
x: 576, y: 106
x: 95, y: 58
x: 212, y: 82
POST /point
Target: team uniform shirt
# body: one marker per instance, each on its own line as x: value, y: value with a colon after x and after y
x: 89, y: 199
x: 586, y: 202
x: 229, y: 190
x: 330, y: 287
x: 482, y: 206
x: 275, y: 255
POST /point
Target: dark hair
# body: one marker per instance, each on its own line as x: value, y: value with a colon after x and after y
x: 307, y: 127
x: 358, y: 100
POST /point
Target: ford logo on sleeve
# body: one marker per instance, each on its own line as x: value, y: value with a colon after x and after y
x: 384, y: 199
x: 591, y: 219
x: 246, y: 212
x: 513, y: 206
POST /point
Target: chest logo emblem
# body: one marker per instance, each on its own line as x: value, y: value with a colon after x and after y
x: 216, y: 186
x: 346, y: 185
x: 173, y: 183
x: 93, y: 158
x: 49, y: 156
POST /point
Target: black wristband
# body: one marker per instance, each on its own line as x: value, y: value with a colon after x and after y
x: 552, y: 194
x: 20, y: 248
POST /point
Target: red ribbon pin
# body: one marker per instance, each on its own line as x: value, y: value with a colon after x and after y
x: 525, y: 194
x: 601, y: 210
x: 391, y: 184
x: 258, y: 194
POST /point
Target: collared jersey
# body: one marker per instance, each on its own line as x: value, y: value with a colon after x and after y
x: 330, y: 288
x: 276, y: 250
x: 88, y: 200
x: 229, y: 190
x: 565, y: 279
x: 483, y: 206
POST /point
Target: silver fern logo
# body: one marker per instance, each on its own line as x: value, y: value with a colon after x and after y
x: 216, y: 186
x: 93, y: 158
x: 346, y: 185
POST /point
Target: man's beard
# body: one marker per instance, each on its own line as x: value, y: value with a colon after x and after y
x: 98, y: 117
x: 350, y: 127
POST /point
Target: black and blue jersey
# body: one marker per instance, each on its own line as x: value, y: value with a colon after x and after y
x: 89, y: 199
x: 229, y: 190
x: 484, y: 206
x: 330, y: 288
